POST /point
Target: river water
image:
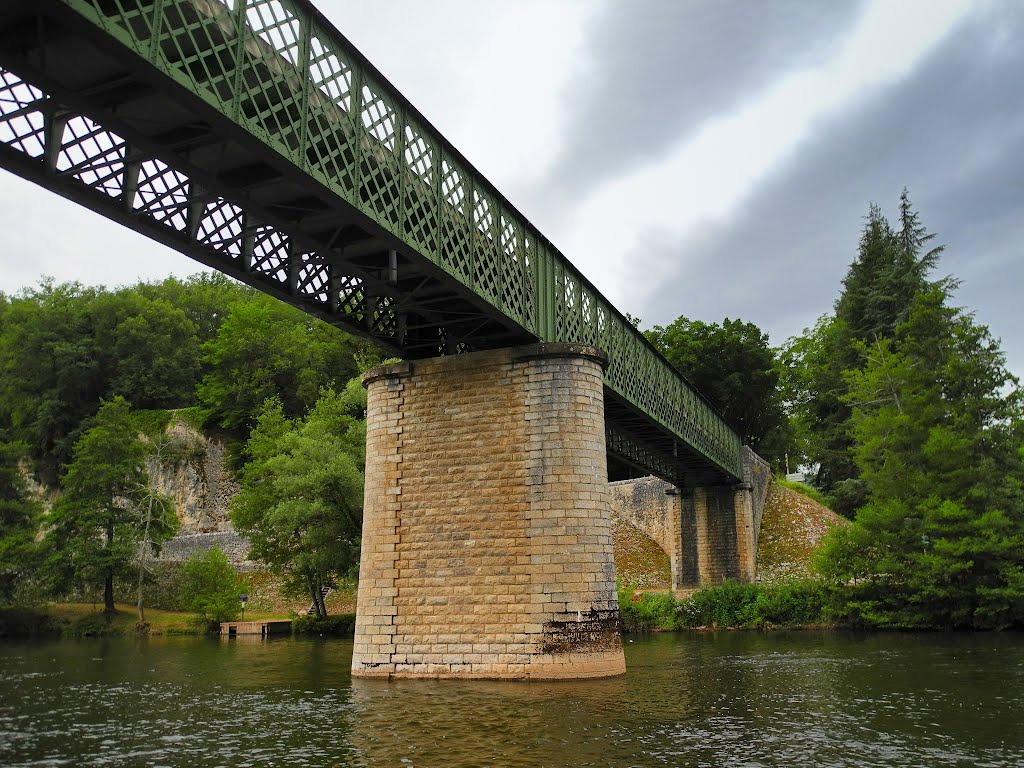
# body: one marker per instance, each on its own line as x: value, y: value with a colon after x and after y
x: 725, y: 699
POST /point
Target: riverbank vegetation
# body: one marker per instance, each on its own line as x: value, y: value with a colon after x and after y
x: 902, y: 409
x: 897, y: 404
x: 210, y: 588
x: 53, y: 620
x: 732, y: 605
x: 92, y: 380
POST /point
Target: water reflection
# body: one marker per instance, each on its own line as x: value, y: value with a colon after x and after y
x: 800, y: 699
x: 484, y: 723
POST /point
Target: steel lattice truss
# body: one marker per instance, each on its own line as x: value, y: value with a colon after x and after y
x: 252, y: 136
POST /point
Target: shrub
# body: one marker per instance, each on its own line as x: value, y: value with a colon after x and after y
x: 93, y: 625
x: 342, y: 625
x: 732, y: 604
x: 26, y: 622
x: 163, y: 586
x: 210, y: 587
x: 646, y: 613
x: 792, y: 603
x: 728, y: 605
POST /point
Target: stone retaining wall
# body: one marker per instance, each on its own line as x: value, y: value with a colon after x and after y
x: 758, y: 474
x: 645, y: 504
x: 181, y: 548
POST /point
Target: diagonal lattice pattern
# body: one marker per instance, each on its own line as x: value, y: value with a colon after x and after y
x: 159, y: 196
x: 21, y: 115
x: 163, y: 194
x: 280, y: 73
x: 92, y: 155
x: 221, y: 227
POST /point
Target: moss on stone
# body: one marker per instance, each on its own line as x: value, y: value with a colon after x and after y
x: 791, y: 529
x: 639, y: 562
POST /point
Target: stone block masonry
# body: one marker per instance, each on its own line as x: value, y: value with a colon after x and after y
x: 651, y: 505
x: 709, y: 533
x: 717, y: 535
x: 487, y: 543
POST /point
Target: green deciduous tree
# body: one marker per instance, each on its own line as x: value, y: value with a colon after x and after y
x: 267, y: 349
x: 149, y: 350
x: 65, y: 347
x: 734, y: 368
x: 815, y: 388
x: 205, y: 298
x: 97, y: 526
x: 302, y: 492
x: 210, y: 586
x: 51, y: 380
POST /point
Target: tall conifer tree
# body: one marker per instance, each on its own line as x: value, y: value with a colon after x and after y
x: 891, y: 270
x: 936, y: 427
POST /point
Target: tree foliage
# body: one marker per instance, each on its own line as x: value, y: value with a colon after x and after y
x: 734, y: 368
x: 301, y: 500
x: 266, y: 349
x: 19, y: 521
x: 210, y: 587
x: 205, y: 298
x: 65, y: 347
x: 936, y: 429
x: 891, y: 270
x: 97, y: 526
x: 50, y: 382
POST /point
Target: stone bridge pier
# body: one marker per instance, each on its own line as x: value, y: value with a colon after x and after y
x: 487, y: 543
x: 710, y: 533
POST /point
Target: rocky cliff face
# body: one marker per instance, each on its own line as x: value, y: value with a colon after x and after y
x: 195, y: 475
x: 193, y: 472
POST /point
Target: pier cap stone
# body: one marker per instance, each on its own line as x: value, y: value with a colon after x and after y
x: 527, y: 352
x: 561, y: 349
x: 387, y: 371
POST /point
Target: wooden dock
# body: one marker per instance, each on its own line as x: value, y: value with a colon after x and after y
x: 259, y: 628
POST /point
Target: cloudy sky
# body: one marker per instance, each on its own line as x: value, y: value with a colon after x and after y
x: 707, y: 158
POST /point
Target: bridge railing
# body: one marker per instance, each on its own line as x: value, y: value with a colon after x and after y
x: 280, y: 69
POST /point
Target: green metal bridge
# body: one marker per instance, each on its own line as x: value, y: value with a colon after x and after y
x: 253, y: 137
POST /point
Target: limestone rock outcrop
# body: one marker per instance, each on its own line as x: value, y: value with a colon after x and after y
x: 195, y: 475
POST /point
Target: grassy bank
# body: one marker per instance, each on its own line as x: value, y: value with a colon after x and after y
x: 88, y: 620
x: 85, y: 620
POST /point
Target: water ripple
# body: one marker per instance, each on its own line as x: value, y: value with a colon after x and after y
x: 819, y: 700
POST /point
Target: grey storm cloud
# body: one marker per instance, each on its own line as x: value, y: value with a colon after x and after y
x: 952, y: 131
x: 658, y: 69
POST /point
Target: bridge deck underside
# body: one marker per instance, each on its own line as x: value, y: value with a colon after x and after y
x: 84, y: 116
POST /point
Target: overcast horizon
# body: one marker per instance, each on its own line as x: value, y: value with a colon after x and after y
x: 707, y: 158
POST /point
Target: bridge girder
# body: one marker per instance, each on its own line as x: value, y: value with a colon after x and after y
x: 251, y: 136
